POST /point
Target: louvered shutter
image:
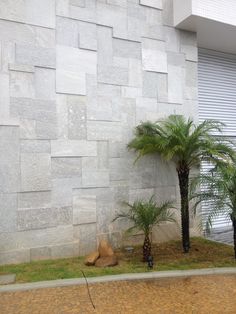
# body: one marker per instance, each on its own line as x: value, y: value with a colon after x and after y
x: 217, y: 100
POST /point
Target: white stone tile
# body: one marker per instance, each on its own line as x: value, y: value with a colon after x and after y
x: 64, y: 148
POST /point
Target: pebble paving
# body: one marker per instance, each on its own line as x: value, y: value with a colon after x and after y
x: 195, y: 295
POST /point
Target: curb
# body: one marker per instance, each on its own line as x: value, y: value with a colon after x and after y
x: 122, y: 277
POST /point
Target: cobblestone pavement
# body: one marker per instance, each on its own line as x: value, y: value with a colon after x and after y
x: 195, y: 295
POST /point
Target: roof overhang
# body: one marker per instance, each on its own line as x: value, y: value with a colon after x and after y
x: 213, y: 21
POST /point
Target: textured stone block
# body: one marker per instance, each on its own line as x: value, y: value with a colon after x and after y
x: 119, y: 169
x: 176, y: 59
x: 27, y: 129
x: 4, y: 96
x: 35, y: 146
x: 46, y: 130
x: 8, y: 208
x: 135, y: 73
x: 66, y: 167
x: 175, y: 84
x: 105, y: 49
x: 162, y: 88
x: 73, y: 148
x: 14, y: 257
x: 45, y: 83
x: 33, y: 109
x: 40, y: 199
x: 45, y: 37
x: 22, y: 84
x: 65, y: 250
x: 154, y: 56
x: 41, y: 218
x: 172, y: 38
x: 62, y: 190
x: 112, y: 75
x: 28, y: 11
x: 9, y: 164
x: 191, y: 52
x: 87, y: 238
x: 76, y: 60
x: 87, y: 36
x: 70, y: 82
x: 16, y: 32
x: 35, y: 172
x: 126, y: 48
x: 150, y: 84
x: 40, y: 253
x: 44, y: 57
x: 152, y: 3
x: 21, y: 68
x: 36, y: 238
x: 84, y: 209
x: 77, y: 118
x: 67, y: 32
x: 99, y: 178
x: 99, y: 130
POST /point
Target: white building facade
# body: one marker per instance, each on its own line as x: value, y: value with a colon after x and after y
x: 76, y: 77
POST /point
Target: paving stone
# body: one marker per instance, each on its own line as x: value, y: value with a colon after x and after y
x: 44, y: 57
x: 73, y: 148
x: 35, y: 172
x: 7, y: 279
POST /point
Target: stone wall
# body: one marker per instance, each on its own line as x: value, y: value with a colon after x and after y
x: 76, y: 76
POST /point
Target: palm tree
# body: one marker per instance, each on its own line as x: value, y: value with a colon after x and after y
x: 219, y: 189
x: 180, y: 140
x: 145, y: 215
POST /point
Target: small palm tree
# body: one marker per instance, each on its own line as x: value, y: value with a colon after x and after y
x: 219, y: 189
x: 185, y: 143
x: 145, y: 215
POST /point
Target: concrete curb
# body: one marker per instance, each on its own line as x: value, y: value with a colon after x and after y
x: 122, y: 277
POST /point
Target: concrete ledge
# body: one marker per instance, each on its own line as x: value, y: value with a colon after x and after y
x: 122, y: 277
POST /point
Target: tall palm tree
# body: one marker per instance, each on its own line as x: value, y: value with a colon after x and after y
x: 219, y: 189
x: 144, y: 215
x: 180, y: 140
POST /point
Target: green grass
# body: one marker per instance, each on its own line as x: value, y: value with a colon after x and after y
x: 167, y: 256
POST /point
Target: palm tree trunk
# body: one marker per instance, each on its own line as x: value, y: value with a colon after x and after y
x: 234, y: 232
x: 183, y: 175
x: 146, y: 248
